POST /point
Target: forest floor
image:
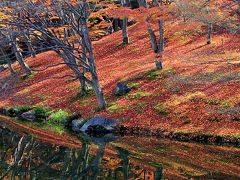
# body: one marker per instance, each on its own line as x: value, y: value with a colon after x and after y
x: 198, y: 90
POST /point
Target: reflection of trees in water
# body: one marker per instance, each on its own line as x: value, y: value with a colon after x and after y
x: 22, y: 157
x: 132, y: 171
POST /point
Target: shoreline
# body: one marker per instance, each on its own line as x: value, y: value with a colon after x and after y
x: 61, y: 139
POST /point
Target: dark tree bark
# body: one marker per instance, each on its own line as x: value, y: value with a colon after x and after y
x: 143, y: 3
x: 115, y: 25
x: 209, y: 35
x: 161, y: 2
x: 155, y: 3
x: 19, y: 55
x: 8, y: 62
x: 161, y: 32
x: 152, y: 38
x: 125, y: 31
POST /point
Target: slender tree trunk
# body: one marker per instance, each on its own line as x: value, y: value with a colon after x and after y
x: 125, y: 31
x: 158, y: 173
x: 8, y: 62
x: 10, y: 66
x: 83, y: 82
x: 155, y: 3
x: 19, y: 56
x: 152, y: 38
x: 29, y: 45
x: 142, y: 3
x: 115, y: 25
x: 161, y: 2
x: 98, y: 91
x: 125, y: 3
x: 161, y: 32
x: 95, y: 81
x: 209, y: 35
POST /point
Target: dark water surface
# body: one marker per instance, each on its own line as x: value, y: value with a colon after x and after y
x: 24, y: 157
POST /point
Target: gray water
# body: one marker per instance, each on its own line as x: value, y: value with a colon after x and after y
x: 24, y: 157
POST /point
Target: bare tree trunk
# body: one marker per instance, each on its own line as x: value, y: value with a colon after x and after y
x: 161, y: 32
x: 155, y: 3
x: 142, y: 3
x: 125, y: 3
x: 161, y: 2
x: 115, y: 25
x: 95, y: 81
x: 125, y: 31
x: 209, y: 36
x: 83, y: 82
x: 98, y: 91
x: 29, y: 45
x: 10, y: 67
x: 152, y: 38
x: 19, y: 56
x: 8, y: 62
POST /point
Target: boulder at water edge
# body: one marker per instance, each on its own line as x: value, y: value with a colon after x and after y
x: 29, y: 115
x: 106, y: 123
x: 77, y: 124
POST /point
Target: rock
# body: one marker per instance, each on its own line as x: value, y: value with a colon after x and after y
x: 29, y: 115
x: 77, y: 124
x: 12, y: 112
x: 2, y: 68
x: 3, y: 111
x: 106, y: 123
x: 121, y: 89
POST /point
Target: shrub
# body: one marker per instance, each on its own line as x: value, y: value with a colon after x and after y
x: 41, y: 112
x: 17, y: 110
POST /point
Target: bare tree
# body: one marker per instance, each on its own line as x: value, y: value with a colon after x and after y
x: 73, y: 45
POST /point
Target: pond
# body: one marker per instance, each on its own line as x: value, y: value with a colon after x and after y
x: 110, y: 157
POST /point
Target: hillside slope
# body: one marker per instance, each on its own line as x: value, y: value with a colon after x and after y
x: 197, y: 91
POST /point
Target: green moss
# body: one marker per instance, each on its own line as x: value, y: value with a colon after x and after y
x: 225, y: 104
x: 236, y: 119
x: 94, y: 20
x: 187, y: 122
x: 140, y: 105
x: 161, y: 109
x: 213, y: 101
x: 28, y: 76
x: 167, y: 72
x: 58, y: 116
x: 116, y: 107
x: 134, y: 85
x: 41, y: 112
x: 215, y: 119
x: 58, y: 128
x: 77, y: 97
x: 17, y: 110
x: 138, y: 95
x: 152, y: 74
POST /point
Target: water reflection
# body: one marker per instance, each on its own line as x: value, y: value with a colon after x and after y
x: 23, y: 157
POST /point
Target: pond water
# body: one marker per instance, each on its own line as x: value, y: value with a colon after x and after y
x: 24, y: 157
